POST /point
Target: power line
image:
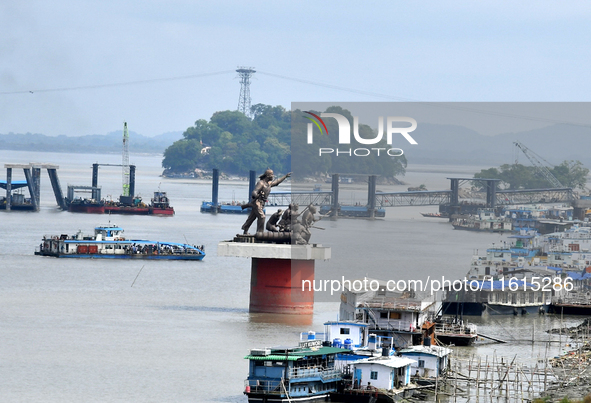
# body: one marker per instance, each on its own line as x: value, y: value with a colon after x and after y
x: 96, y: 86
x: 447, y: 105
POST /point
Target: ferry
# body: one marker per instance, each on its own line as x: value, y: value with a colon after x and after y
x: 108, y: 242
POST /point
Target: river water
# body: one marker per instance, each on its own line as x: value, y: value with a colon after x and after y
x: 76, y: 330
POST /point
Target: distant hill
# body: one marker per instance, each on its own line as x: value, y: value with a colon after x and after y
x: 438, y: 144
x: 448, y: 144
x: 96, y: 143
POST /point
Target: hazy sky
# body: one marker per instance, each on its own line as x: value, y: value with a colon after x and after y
x: 428, y: 50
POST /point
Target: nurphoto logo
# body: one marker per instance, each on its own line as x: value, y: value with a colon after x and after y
x: 345, y: 134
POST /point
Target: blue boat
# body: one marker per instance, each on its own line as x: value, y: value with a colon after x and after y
x: 108, y: 242
x: 306, y: 373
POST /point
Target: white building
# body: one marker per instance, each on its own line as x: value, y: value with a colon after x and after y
x: 428, y: 361
x: 382, y: 372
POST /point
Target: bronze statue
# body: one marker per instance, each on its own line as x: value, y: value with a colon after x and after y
x: 258, y: 198
x: 288, y: 217
x: 272, y: 221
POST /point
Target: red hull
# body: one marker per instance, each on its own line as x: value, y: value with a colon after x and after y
x: 162, y: 211
x: 77, y: 208
x: 127, y: 210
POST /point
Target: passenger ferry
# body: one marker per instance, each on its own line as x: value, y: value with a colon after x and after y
x: 108, y: 242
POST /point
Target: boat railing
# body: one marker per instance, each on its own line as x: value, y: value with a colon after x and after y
x: 314, y: 372
x: 399, y: 325
x: 318, y: 336
x: 573, y: 299
x: 455, y: 328
x: 263, y: 386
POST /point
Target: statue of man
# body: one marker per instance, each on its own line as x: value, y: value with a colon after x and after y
x: 272, y: 221
x: 258, y: 198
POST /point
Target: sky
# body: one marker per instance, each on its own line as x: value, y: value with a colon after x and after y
x: 80, y: 67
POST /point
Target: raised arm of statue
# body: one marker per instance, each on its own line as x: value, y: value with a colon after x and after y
x: 278, y: 181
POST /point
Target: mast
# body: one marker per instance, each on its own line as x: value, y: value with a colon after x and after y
x: 125, y: 162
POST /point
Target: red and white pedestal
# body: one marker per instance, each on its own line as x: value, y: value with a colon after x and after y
x: 277, y: 273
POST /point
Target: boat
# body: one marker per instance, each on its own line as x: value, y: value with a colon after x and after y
x: 304, y: 373
x: 90, y: 206
x: 18, y: 201
x: 455, y: 332
x: 108, y: 242
x: 485, y: 221
x: 160, y: 205
x: 353, y: 211
x: 136, y: 207
x: 224, y: 208
x: 434, y: 215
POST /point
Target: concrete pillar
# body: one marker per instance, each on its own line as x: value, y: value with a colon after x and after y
x: 131, y: 181
x: 491, y: 194
x: 371, y: 195
x: 95, y: 168
x: 335, y: 195
x: 215, y: 188
x: 278, y: 272
x: 31, y: 187
x: 8, y: 188
x: 37, y: 186
x: 57, y: 189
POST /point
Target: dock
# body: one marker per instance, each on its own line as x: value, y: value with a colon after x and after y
x: 32, y: 173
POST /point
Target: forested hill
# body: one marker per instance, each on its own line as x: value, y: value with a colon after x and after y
x: 235, y: 144
x: 107, y: 143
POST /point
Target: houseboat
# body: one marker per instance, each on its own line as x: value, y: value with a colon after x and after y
x: 108, y: 242
x: 402, y: 316
x: 485, y: 221
x: 305, y: 373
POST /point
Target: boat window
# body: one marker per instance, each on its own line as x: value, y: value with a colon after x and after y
x: 421, y: 363
x: 345, y: 330
x: 383, y: 315
x: 374, y: 375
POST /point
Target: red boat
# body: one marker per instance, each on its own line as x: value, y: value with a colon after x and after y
x: 86, y: 206
x: 160, y: 204
x: 137, y: 207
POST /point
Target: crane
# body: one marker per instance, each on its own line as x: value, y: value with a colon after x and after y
x: 125, y: 162
x: 540, y: 168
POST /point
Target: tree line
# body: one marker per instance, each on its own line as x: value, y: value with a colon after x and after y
x: 516, y: 176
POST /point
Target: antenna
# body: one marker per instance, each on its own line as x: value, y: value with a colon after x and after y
x: 125, y: 162
x: 245, y: 73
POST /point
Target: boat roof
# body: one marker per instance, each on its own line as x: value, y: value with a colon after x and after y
x: 346, y: 322
x: 391, y: 362
x: 431, y: 350
x: 132, y: 241
x: 295, y: 353
x: 111, y: 227
x: 13, y: 184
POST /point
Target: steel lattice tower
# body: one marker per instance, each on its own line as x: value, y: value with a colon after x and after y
x: 244, y: 101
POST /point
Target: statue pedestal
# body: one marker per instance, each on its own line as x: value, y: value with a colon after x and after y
x: 277, y: 273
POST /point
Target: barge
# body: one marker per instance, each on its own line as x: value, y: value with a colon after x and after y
x: 108, y: 242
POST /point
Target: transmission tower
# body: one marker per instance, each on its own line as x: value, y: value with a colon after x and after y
x: 244, y: 101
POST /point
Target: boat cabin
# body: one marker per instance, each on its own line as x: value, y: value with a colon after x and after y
x: 283, y: 373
